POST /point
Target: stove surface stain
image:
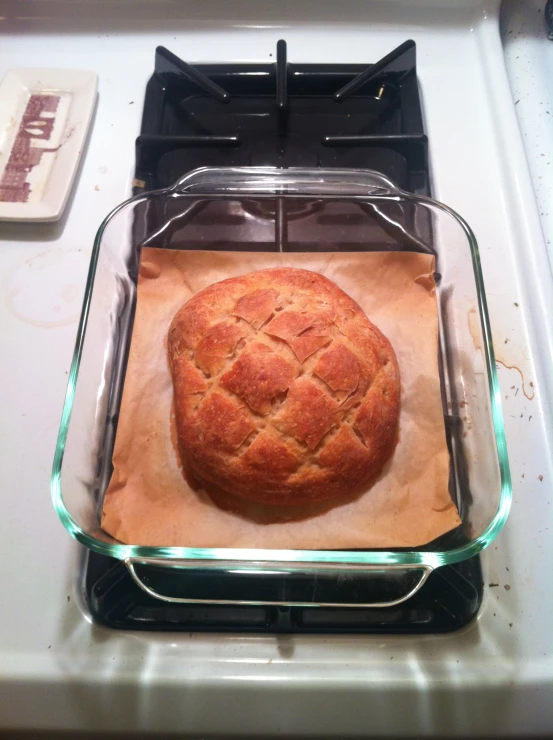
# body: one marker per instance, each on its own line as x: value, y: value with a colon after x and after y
x: 46, y: 290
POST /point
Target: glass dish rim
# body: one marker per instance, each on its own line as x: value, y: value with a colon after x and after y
x: 358, y: 558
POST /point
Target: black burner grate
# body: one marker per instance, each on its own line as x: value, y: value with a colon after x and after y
x: 283, y: 115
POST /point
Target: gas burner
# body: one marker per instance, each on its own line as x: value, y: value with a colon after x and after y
x: 283, y: 115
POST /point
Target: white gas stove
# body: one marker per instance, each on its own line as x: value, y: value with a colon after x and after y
x: 58, y: 670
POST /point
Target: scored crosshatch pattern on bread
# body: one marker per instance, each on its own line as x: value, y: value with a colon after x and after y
x: 285, y: 392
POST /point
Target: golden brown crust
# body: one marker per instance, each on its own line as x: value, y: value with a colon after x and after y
x: 285, y: 393
x: 259, y: 375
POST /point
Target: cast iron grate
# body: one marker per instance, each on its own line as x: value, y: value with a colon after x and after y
x: 283, y: 114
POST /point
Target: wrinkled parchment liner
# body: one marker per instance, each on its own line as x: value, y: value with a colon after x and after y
x: 151, y: 500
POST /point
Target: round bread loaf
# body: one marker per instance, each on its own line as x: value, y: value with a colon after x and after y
x: 285, y: 393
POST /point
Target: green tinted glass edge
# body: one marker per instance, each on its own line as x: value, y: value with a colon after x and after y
x: 369, y: 558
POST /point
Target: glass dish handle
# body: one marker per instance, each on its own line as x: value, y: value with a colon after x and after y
x: 277, y: 584
x: 274, y: 181
x: 277, y: 181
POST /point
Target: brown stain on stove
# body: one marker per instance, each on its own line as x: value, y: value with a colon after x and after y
x: 519, y: 371
x: 475, y: 332
x: 474, y: 328
x: 10, y: 302
x: 24, y: 157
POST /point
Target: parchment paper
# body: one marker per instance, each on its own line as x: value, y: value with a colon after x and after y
x: 150, y: 501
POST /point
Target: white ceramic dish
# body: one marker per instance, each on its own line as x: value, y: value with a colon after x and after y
x: 44, y: 119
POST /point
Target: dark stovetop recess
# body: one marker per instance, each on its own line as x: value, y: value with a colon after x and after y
x: 449, y: 599
x: 284, y: 115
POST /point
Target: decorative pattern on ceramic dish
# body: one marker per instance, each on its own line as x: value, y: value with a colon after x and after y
x: 45, y: 115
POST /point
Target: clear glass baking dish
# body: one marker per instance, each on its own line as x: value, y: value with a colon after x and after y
x: 266, y: 209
